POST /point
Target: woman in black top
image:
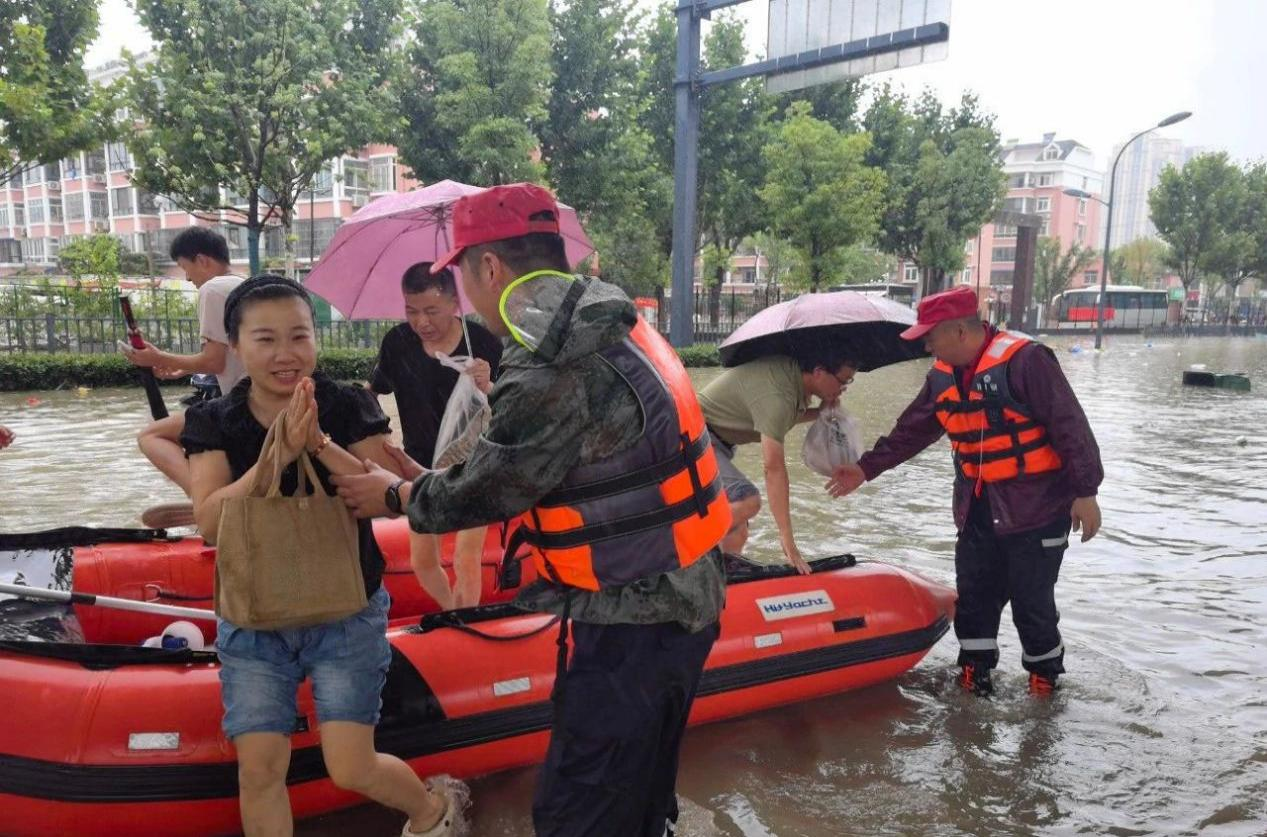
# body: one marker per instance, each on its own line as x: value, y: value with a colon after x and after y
x: 407, y: 367
x: 270, y: 326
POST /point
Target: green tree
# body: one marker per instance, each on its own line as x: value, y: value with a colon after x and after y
x: 861, y: 265
x: 1054, y: 270
x: 600, y: 159
x: 1238, y: 253
x: 657, y: 53
x: 255, y: 98
x: 837, y: 103
x: 1228, y: 263
x: 476, y: 92
x: 628, y: 255
x: 1255, y: 220
x: 779, y: 255
x: 95, y: 256
x: 136, y: 264
x: 1192, y: 208
x: 591, y: 99
x: 821, y: 195
x: 48, y: 110
x: 94, y: 264
x: 734, y: 130
x: 945, y: 177
x: 1140, y: 262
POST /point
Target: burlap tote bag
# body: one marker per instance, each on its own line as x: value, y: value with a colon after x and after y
x: 286, y: 562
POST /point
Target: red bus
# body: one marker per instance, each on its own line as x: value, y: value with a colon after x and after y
x: 1125, y: 306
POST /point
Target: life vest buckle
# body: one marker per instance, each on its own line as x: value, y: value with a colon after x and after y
x: 697, y: 485
x: 510, y: 569
x: 510, y: 574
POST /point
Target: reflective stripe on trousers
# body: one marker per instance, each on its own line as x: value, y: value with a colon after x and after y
x: 1050, y: 655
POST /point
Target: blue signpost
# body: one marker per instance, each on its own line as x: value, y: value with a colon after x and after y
x: 687, y: 85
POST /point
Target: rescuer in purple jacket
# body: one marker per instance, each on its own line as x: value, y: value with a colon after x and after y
x: 1027, y: 469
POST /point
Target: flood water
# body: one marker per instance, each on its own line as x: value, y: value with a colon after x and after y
x: 1161, y: 725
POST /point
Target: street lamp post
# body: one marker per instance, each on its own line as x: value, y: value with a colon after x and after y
x: 1108, y: 223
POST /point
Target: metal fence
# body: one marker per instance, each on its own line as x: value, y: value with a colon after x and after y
x: 96, y: 335
x: 1245, y: 313
x: 1248, y: 317
x: 716, y: 315
x: 70, y: 300
x: 715, y: 318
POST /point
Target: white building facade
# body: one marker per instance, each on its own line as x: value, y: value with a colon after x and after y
x: 1138, y: 173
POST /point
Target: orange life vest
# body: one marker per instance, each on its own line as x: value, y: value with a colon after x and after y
x: 993, y: 437
x: 655, y: 507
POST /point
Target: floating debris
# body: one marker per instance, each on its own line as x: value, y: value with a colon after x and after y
x: 1222, y: 380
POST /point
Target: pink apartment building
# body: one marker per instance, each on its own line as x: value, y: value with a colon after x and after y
x: 1037, y: 175
x: 50, y: 204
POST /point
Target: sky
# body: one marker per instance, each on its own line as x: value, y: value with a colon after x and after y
x: 1096, y: 71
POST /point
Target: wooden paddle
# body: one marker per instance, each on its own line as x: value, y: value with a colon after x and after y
x: 158, y: 409
x: 22, y: 591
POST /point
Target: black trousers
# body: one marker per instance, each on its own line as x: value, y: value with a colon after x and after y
x: 990, y: 571
x: 619, y: 715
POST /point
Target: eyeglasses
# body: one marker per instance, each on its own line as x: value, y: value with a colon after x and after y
x: 844, y: 382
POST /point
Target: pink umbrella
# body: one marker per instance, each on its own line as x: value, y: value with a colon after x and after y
x: 359, y: 272
x: 866, y: 328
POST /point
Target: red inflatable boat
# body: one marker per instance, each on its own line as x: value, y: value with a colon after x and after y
x: 146, y: 565
x: 107, y: 738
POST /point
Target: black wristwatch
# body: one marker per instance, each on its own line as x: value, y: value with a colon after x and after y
x: 392, y: 497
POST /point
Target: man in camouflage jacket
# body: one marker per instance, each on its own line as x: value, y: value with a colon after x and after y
x: 639, y: 649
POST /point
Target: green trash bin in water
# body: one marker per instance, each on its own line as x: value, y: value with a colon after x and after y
x: 1200, y: 378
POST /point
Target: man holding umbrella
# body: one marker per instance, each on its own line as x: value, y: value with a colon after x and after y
x: 1027, y: 468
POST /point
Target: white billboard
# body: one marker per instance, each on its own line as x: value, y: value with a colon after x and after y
x: 799, y: 26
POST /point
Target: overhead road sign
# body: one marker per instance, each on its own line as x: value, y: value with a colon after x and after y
x: 875, y: 36
x: 810, y: 42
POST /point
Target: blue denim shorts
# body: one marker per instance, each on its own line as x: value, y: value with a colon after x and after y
x: 260, y: 671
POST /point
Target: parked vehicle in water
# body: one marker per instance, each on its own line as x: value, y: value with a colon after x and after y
x: 897, y: 291
x: 1125, y: 306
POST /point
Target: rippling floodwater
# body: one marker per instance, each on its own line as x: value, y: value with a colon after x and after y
x: 1161, y: 727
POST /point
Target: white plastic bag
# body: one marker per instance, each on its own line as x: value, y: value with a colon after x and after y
x: 831, y: 441
x: 465, y: 417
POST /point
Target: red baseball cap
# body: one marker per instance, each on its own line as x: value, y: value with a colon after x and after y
x: 953, y: 304
x: 510, y: 211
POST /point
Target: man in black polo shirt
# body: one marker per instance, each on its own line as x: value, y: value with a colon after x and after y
x: 407, y: 368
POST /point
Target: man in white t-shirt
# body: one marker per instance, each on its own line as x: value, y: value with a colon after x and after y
x: 204, y: 256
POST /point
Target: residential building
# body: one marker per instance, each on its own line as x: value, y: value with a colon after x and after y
x: 1037, y: 175
x: 49, y: 204
x: 1138, y: 172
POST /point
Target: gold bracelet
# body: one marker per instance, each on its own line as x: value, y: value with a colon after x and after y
x: 325, y: 440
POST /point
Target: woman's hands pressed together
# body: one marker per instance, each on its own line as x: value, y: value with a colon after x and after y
x: 303, y: 432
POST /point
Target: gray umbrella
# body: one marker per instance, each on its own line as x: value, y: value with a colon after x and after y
x: 866, y: 329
